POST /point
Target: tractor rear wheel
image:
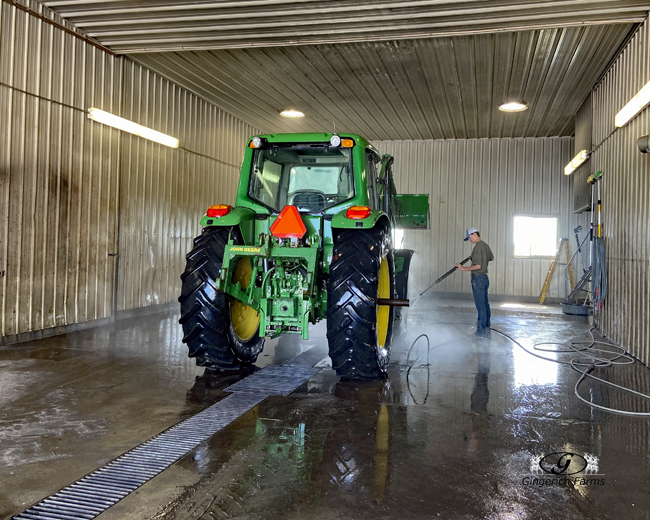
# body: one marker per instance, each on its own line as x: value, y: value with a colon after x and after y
x: 244, y: 323
x: 206, y: 314
x: 359, y: 331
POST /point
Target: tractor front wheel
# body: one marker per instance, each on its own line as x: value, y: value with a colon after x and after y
x: 359, y: 331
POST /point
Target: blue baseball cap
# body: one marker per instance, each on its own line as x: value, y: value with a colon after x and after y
x: 469, y: 232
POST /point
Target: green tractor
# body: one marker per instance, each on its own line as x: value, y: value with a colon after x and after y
x: 310, y: 238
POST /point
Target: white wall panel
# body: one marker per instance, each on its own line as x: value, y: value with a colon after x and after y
x: 484, y: 183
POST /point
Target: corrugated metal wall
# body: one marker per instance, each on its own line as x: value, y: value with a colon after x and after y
x: 584, y: 127
x: 58, y: 182
x: 484, y: 183
x: 626, y: 198
x: 68, y: 184
x: 165, y: 192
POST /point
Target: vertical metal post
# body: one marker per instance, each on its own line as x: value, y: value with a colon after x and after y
x: 591, y: 231
x: 118, y: 194
x: 600, y: 227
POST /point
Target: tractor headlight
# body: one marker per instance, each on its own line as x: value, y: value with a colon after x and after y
x: 335, y: 140
x: 256, y: 142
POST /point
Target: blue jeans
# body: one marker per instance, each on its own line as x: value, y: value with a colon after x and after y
x: 480, y: 284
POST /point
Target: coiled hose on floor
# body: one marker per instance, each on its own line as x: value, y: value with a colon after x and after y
x: 586, y: 362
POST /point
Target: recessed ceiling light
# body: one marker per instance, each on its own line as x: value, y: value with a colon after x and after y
x: 513, y: 106
x: 291, y: 113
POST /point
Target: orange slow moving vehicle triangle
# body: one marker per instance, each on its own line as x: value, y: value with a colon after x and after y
x: 288, y: 224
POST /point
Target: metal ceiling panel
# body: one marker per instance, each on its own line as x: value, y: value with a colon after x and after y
x: 129, y: 26
x: 435, y: 88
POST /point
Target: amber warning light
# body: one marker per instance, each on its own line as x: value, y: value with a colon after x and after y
x: 220, y: 210
x: 288, y: 224
x: 358, y: 212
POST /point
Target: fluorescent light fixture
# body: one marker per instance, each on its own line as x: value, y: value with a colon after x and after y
x: 133, y: 128
x: 576, y: 162
x: 513, y: 106
x: 636, y: 104
x: 292, y: 113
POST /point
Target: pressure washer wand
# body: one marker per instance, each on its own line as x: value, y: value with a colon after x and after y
x: 446, y: 274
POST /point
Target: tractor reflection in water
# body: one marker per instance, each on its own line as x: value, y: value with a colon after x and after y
x: 263, y: 463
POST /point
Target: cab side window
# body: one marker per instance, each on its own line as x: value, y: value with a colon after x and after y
x: 372, y: 160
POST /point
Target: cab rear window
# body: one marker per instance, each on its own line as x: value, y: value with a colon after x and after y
x: 312, y: 178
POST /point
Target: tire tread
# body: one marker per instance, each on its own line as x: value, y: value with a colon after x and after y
x: 351, y: 308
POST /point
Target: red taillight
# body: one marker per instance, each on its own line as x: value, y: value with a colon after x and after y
x: 288, y: 224
x: 358, y: 212
x: 220, y: 210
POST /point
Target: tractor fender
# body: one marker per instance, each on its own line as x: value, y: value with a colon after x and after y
x: 243, y: 218
x: 402, y: 265
x: 376, y: 217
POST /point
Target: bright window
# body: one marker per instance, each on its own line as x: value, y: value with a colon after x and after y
x: 535, y: 236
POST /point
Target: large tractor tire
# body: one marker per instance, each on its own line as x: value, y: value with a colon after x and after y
x: 359, y: 331
x: 220, y: 332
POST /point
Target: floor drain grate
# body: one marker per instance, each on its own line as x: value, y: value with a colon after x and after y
x: 274, y: 380
x: 96, y: 492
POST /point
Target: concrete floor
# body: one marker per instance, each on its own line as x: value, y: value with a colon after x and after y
x: 450, y: 433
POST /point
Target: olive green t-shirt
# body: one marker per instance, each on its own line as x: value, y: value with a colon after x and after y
x: 481, y: 255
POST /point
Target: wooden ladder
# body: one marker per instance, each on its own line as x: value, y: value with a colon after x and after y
x: 563, y: 243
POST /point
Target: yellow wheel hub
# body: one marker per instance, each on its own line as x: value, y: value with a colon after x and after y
x: 383, y: 311
x: 245, y: 319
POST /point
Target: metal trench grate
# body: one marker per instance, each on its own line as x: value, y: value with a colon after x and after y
x: 96, y: 492
x: 274, y: 380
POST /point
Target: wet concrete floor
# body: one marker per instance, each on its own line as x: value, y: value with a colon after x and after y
x: 451, y: 433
